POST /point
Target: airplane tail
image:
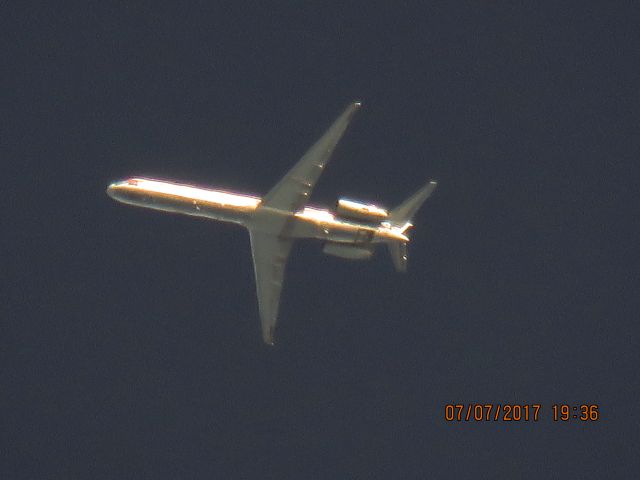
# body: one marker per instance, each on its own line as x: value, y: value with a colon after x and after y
x: 398, y: 251
x: 401, y: 217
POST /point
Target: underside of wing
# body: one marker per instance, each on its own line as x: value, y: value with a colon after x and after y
x: 292, y: 192
x: 269, y: 260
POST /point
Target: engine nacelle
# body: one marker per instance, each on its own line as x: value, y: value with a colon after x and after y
x: 345, y: 250
x: 360, y: 211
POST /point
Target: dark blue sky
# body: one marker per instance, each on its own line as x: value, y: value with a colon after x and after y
x: 130, y: 339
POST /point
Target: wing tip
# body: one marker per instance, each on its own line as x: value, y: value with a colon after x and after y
x: 268, y: 337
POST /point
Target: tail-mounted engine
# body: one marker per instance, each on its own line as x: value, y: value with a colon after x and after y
x: 351, y: 210
x: 348, y: 251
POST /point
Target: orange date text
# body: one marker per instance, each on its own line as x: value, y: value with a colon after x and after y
x: 491, y: 412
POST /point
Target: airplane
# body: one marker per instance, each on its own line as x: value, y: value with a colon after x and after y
x: 282, y: 216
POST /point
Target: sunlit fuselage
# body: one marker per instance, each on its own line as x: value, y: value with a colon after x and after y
x: 237, y: 208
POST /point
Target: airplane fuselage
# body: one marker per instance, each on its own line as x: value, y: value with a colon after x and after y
x: 309, y: 222
x: 282, y: 215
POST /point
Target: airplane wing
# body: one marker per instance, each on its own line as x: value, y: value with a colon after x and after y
x: 270, y: 246
x: 293, y: 191
x: 270, y: 254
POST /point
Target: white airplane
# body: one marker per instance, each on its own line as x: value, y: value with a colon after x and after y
x: 281, y: 216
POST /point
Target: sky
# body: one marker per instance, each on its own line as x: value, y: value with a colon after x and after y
x: 130, y: 342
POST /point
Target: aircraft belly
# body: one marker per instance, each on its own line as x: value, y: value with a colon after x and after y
x: 341, y: 232
x: 304, y: 229
x: 196, y: 208
x: 351, y: 234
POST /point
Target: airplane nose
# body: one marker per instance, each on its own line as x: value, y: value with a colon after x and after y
x: 111, y: 190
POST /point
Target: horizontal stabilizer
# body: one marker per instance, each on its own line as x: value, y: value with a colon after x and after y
x: 398, y: 252
x: 405, y: 212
